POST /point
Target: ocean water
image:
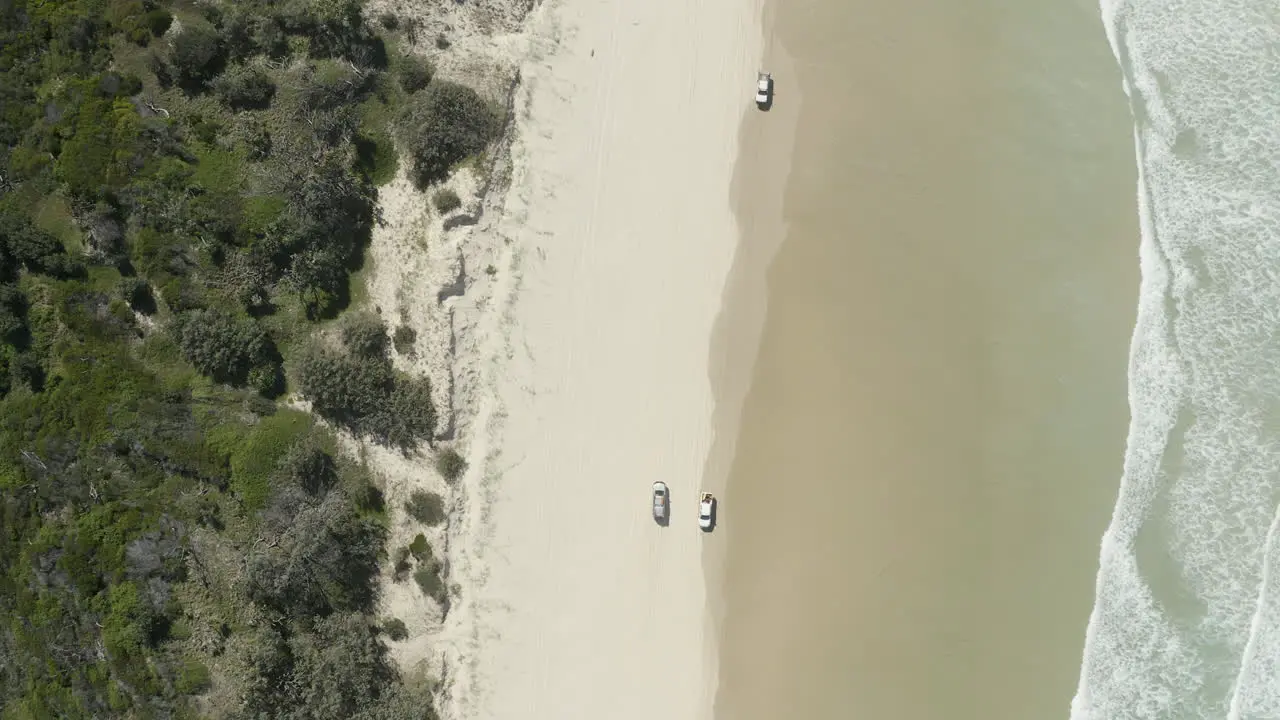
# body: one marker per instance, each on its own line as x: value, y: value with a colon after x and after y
x: 932, y: 432
x: 1186, y: 621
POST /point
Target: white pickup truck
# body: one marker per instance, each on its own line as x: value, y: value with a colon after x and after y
x: 764, y: 90
x: 707, y: 511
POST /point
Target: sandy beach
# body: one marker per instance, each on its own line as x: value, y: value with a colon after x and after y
x: 574, y: 602
x: 579, y: 295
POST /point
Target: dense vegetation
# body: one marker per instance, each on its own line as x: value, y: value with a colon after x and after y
x: 186, y: 191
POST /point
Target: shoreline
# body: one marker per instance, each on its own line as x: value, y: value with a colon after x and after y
x: 766, y: 141
x: 578, y: 370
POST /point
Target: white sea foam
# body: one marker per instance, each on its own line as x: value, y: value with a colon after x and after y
x: 1186, y: 622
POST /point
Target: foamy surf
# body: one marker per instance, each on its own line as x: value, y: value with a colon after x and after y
x: 1186, y: 622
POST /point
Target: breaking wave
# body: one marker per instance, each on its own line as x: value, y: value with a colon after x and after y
x: 1186, y: 620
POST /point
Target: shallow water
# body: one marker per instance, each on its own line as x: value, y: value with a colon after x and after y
x: 931, y: 443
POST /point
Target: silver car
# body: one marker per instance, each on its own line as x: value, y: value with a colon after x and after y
x: 661, y: 502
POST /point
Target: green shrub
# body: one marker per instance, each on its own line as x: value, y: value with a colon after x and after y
x: 395, y: 629
x: 249, y: 31
x: 420, y: 548
x: 414, y: 73
x: 116, y: 85
x: 450, y: 464
x: 198, y: 56
x: 446, y: 201
x: 426, y: 507
x: 137, y: 293
x: 341, y: 670
x: 329, y: 216
x: 376, y: 157
x: 257, y: 457
x: 403, y: 340
x: 13, y: 308
x: 343, y: 388
x: 362, y: 392
x: 330, y: 84
x: 430, y: 582
x: 158, y: 21
x: 400, y: 565
x: 365, y: 335
x: 204, y: 130
x: 244, y: 87
x: 442, y: 125
x: 309, y: 465
x: 192, y: 679
x: 180, y: 295
x: 101, y: 141
x: 411, y: 416
x: 127, y: 627
x: 21, y: 242
x: 267, y: 379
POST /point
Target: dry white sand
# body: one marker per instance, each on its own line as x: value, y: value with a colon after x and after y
x: 580, y: 307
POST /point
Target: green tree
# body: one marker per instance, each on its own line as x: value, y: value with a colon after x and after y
x: 442, y: 125
x: 323, y: 557
x: 223, y: 346
x: 329, y: 220
x: 342, y: 388
x: 198, y: 56
x: 340, y: 669
x: 21, y: 242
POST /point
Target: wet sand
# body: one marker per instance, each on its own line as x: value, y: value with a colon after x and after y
x: 930, y: 444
